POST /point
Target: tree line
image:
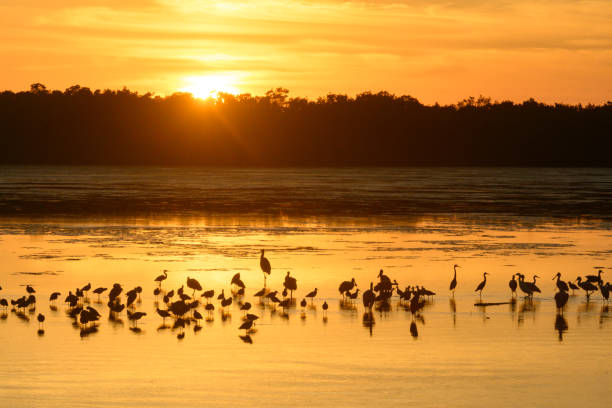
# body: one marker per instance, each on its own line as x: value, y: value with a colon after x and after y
x: 121, y: 127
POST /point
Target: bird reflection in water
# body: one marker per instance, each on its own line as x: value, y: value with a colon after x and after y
x: 528, y: 305
x: 453, y: 309
x: 414, y: 332
x: 603, y: 315
x: 561, y: 325
x: 368, y: 321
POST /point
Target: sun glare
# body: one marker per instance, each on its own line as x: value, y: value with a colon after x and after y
x: 209, y: 86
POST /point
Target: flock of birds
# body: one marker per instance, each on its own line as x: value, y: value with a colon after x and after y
x: 183, y: 308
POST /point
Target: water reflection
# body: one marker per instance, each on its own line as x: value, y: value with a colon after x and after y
x: 453, y: 309
x: 561, y: 325
x: 368, y: 321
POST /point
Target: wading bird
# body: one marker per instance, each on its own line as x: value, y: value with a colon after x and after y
x: 99, y: 291
x: 193, y: 284
x: 524, y: 286
x: 312, y: 295
x: 290, y: 284
x: 264, y: 264
x: 347, y: 286
x: 41, y: 320
x: 237, y: 281
x: 368, y: 297
x: 482, y: 284
x: 512, y: 284
x: 561, y: 285
x: 594, y: 278
x: 586, y: 286
x: 162, y: 278
x: 453, y: 283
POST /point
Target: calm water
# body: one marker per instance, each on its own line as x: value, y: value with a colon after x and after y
x: 61, y: 228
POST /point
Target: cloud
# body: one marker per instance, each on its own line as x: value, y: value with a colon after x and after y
x: 330, y: 42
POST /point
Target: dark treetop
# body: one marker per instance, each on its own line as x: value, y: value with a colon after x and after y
x: 79, y: 126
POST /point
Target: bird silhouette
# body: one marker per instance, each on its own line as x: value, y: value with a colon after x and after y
x: 453, y: 283
x: 513, y: 285
x: 303, y: 304
x: 208, y: 294
x: 246, y: 326
x: 369, y: 297
x: 594, y: 278
x: 162, y: 277
x: 115, y: 291
x: 237, y: 281
x: 586, y: 286
x: 134, y: 317
x: 525, y: 287
x: 534, y: 286
x: 30, y: 289
x: 41, y: 320
x: 482, y: 284
x: 264, y: 264
x: 561, y: 285
x: 193, y: 284
x: 99, y: 291
x: 245, y: 307
x: 311, y: 295
x: 572, y: 286
x: 346, y: 286
x: 290, y: 284
x: 260, y: 293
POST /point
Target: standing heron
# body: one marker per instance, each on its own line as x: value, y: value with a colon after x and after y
x: 453, y: 283
x: 561, y: 285
x: 162, y: 278
x: 264, y: 264
x: 586, y: 286
x: 594, y: 278
x: 369, y: 297
x: 533, y: 284
x: 325, y: 307
x: 482, y: 284
x: 513, y: 285
x: 524, y: 286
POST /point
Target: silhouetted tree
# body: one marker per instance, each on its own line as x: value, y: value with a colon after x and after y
x: 81, y: 126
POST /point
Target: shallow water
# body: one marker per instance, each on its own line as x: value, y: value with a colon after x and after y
x: 507, y: 355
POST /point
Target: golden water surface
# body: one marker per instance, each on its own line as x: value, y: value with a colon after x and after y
x: 516, y: 354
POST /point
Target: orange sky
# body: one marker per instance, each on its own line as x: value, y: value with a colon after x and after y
x: 434, y: 50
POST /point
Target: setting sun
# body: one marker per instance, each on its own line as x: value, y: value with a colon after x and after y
x: 210, y: 85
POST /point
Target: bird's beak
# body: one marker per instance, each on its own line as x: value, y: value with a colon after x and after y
x: 554, y: 277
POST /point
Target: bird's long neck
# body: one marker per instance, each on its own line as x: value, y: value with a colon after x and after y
x: 455, y: 268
